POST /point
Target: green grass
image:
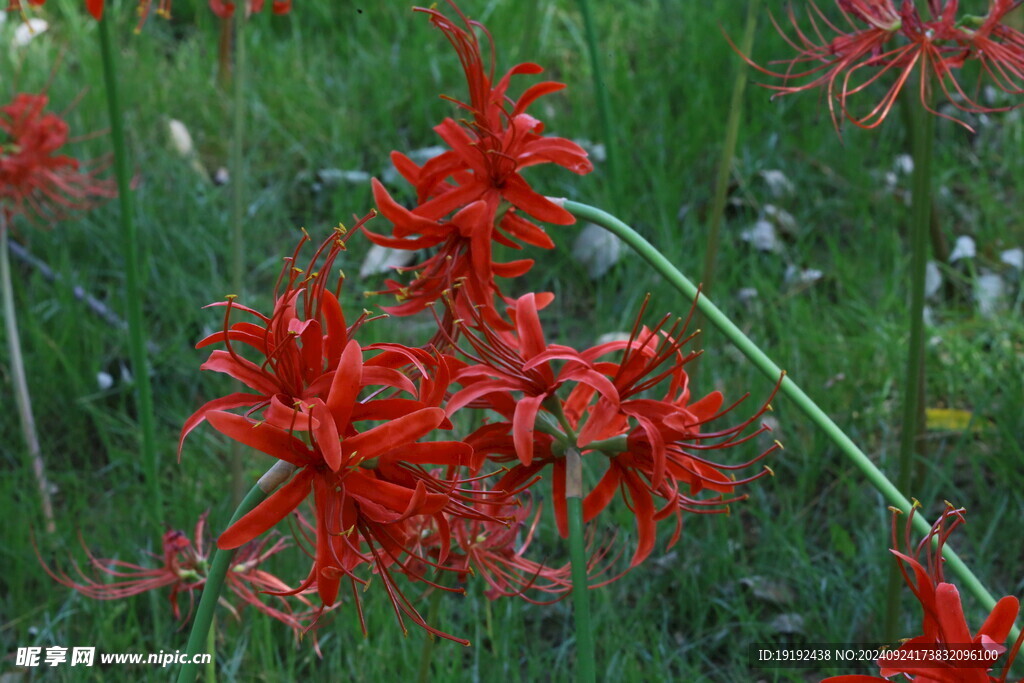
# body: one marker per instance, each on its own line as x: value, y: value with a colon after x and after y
x: 334, y: 88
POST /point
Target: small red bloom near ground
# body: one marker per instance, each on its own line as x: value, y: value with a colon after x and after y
x: 876, y: 41
x: 36, y: 180
x: 185, y: 564
x: 475, y: 194
x: 944, y: 624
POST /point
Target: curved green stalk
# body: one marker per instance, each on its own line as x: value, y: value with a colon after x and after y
x: 585, y: 663
x: 787, y: 386
x: 21, y: 394
x: 197, y: 639
x: 133, y: 281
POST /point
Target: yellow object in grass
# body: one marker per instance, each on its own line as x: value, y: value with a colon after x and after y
x: 952, y: 420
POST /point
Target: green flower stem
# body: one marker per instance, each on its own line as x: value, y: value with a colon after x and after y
x: 604, y: 107
x: 237, y: 174
x: 427, y: 650
x: 211, y: 646
x: 577, y: 554
x: 787, y: 387
x: 732, y: 129
x: 21, y: 395
x: 133, y: 283
x: 922, y: 135
x: 274, y: 477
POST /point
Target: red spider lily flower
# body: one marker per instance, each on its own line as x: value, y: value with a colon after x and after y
x: 462, y: 266
x: 494, y: 548
x: 483, y: 165
x: 96, y: 7
x: 880, y: 41
x: 351, y: 420
x: 184, y: 567
x: 299, y: 344
x: 653, y: 447
x: 944, y: 624
x: 15, y: 5
x: 224, y: 9
x: 663, y: 455
x: 508, y: 362
x: 367, y: 485
x: 220, y: 8
x: 35, y: 180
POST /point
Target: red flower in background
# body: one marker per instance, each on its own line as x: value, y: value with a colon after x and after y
x: 96, y: 7
x: 494, y: 549
x: 221, y: 8
x: 944, y: 624
x: 481, y: 171
x: 185, y: 563
x: 227, y: 9
x: 36, y: 181
x: 879, y: 41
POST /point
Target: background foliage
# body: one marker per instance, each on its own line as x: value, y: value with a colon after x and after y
x: 337, y: 86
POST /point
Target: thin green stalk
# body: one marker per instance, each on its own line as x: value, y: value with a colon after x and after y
x: 133, y: 282
x: 922, y: 136
x: 788, y: 387
x: 275, y: 476
x: 732, y: 129
x: 238, y: 211
x: 427, y: 651
x: 211, y: 647
x: 604, y: 107
x: 21, y: 394
x: 585, y: 663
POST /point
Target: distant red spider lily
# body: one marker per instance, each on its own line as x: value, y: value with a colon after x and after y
x: 185, y: 563
x: 879, y: 41
x: 221, y: 8
x: 227, y: 9
x: 36, y: 181
x: 484, y: 165
x: 944, y: 624
x: 96, y: 7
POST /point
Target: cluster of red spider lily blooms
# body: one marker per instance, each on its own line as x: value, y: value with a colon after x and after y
x: 358, y: 425
x: 36, y: 180
x: 944, y: 625
x: 881, y: 37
